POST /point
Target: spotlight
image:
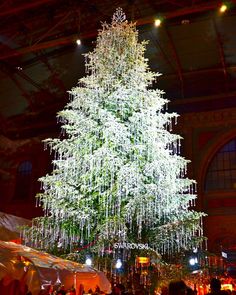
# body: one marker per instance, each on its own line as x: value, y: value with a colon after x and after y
x: 193, y: 261
x: 88, y: 261
x: 157, y: 22
x: 118, y: 264
x: 223, y: 8
x: 78, y: 42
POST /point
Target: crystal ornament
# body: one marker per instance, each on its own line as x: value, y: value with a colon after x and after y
x: 119, y: 16
x: 118, y: 175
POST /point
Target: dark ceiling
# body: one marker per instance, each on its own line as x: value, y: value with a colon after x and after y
x: 194, y: 49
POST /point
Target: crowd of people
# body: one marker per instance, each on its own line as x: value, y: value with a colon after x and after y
x: 180, y: 288
x: 59, y: 290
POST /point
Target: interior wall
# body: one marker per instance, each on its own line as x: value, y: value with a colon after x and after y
x: 28, y: 150
x: 204, y: 134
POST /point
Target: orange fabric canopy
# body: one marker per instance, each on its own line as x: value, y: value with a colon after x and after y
x: 38, y: 270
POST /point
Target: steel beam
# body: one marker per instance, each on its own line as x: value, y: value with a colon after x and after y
x: 23, y: 7
x: 72, y: 38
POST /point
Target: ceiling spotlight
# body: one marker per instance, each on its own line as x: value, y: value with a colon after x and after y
x: 223, y: 8
x: 78, y: 42
x: 157, y: 22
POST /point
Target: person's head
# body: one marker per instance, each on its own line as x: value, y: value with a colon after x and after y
x: 190, y: 291
x: 7, y: 279
x: 215, y: 284
x: 177, y: 288
x: 164, y: 290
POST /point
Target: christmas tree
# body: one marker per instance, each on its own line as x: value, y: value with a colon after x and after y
x: 118, y: 175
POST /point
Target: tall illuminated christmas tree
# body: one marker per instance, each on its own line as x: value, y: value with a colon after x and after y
x: 118, y: 176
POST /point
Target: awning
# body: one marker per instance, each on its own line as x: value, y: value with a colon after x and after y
x: 38, y: 270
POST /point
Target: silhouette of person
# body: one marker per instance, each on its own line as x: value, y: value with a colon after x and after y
x: 177, y: 288
x: 215, y: 286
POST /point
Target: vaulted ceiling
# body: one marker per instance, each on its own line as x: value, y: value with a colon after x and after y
x: 194, y: 49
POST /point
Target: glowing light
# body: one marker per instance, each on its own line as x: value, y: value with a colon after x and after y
x: 193, y: 261
x: 143, y: 260
x: 27, y: 263
x: 157, y: 22
x: 227, y: 287
x: 223, y: 8
x: 224, y: 254
x: 118, y: 264
x: 88, y: 261
x: 78, y: 42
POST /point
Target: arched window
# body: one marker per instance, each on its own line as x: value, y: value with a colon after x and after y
x: 221, y: 174
x: 23, y: 181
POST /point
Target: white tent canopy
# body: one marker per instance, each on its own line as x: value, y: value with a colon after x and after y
x: 38, y: 270
x: 10, y: 226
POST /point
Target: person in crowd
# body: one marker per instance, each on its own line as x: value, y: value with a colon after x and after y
x: 72, y: 291
x: 116, y: 290
x: 215, y: 286
x: 190, y: 291
x: 81, y: 289
x: 97, y: 290
x: 9, y: 285
x: 27, y: 291
x: 164, y: 290
x: 177, y: 288
x: 61, y: 290
x: 50, y: 290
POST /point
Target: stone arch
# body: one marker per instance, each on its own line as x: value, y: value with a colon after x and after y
x: 220, y: 224
x: 208, y: 156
